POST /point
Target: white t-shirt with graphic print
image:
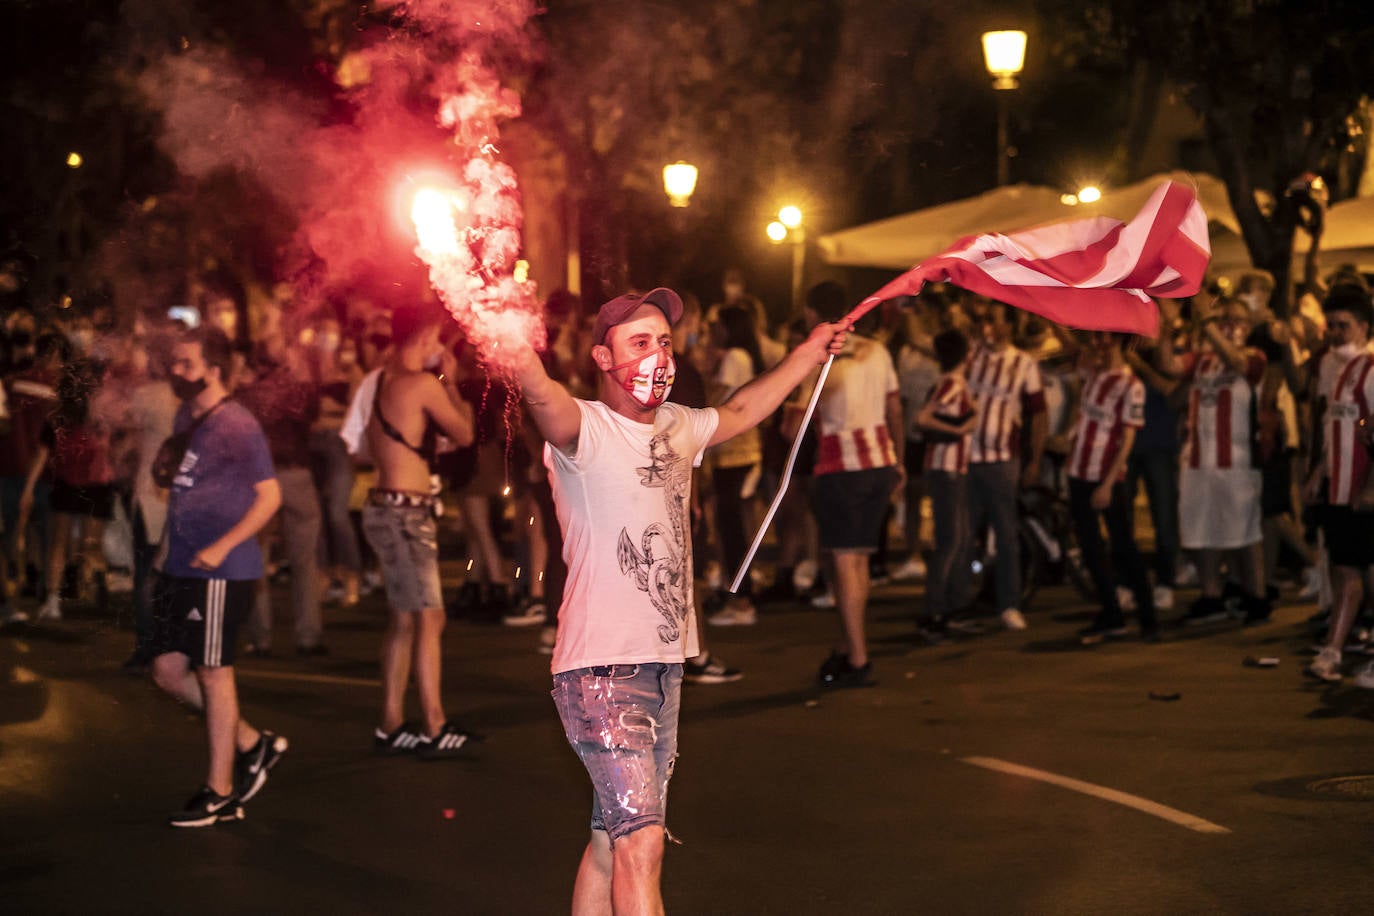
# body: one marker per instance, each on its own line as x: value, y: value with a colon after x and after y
x: 623, y: 496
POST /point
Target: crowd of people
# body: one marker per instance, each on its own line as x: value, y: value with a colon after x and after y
x: 342, y: 449
x: 1224, y: 419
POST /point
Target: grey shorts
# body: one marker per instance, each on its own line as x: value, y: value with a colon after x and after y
x: 405, y: 541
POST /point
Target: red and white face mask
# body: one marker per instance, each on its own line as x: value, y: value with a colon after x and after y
x: 649, y: 378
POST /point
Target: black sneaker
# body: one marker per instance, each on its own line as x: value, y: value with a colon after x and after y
x: 933, y: 631
x: 1257, y: 610
x: 318, y: 650
x: 711, y: 671
x: 404, y: 740
x: 1203, y: 611
x: 531, y: 612
x: 207, y: 808
x: 836, y: 672
x: 448, y: 743
x: 1101, y: 630
x: 251, y: 766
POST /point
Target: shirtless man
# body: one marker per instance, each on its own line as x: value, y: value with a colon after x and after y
x: 410, y: 409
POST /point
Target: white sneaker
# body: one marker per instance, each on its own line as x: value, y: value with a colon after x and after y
x: 1164, y: 598
x: 1365, y: 677
x: 11, y: 614
x: 1126, y: 598
x: 824, y: 600
x: 914, y: 568
x: 804, y: 576
x: 1187, y: 575
x: 1311, y: 583
x: 51, y: 611
x: 1326, y: 666
x: 714, y: 577
x: 736, y: 613
x: 1013, y: 619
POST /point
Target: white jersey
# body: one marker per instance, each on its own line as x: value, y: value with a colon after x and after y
x: 1347, y: 457
x: 623, y: 496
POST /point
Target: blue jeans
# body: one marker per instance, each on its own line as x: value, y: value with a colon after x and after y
x: 947, y: 573
x: 992, y: 491
x: 621, y: 720
x: 1159, y: 470
x: 335, y: 470
x: 1126, y: 566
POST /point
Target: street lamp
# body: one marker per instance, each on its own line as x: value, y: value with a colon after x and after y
x: 679, y: 181
x: 788, y: 226
x: 1004, y: 53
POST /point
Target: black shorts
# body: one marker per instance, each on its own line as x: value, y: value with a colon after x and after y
x: 850, y: 507
x: 94, y: 501
x: 1349, y: 536
x: 200, y: 618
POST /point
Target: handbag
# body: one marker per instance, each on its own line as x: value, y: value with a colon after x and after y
x: 173, y: 449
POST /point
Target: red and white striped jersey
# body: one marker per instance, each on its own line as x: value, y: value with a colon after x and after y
x: 1221, y: 411
x: 951, y: 398
x: 1111, y: 402
x: 1005, y: 385
x: 1328, y: 362
x: 852, y: 410
x: 1347, y: 458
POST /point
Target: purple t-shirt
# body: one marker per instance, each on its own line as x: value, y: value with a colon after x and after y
x: 214, y: 488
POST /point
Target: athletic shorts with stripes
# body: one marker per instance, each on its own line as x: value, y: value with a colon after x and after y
x: 200, y: 618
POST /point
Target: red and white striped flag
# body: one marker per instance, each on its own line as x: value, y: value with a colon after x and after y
x: 1095, y: 274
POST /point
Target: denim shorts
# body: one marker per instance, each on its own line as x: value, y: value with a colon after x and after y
x: 406, y: 543
x: 621, y: 720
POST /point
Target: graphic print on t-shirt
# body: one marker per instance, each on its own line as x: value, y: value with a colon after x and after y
x: 659, y: 564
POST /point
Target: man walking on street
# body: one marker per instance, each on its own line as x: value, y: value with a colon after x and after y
x: 410, y: 408
x: 621, y: 470
x: 222, y: 493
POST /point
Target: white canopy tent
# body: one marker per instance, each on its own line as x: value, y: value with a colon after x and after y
x: 901, y: 242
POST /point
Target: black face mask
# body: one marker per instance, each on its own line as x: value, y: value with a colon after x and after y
x: 186, y: 390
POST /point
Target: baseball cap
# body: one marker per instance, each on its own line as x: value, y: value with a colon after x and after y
x: 622, y: 307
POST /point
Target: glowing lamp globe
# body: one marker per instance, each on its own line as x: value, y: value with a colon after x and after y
x: 74, y: 160
x: 1090, y: 195
x: 790, y: 216
x: 679, y: 181
x: 777, y: 232
x: 1004, y: 53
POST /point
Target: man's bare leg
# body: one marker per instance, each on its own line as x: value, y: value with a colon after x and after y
x: 636, y: 873
x: 221, y: 724
x: 851, y: 598
x: 172, y: 674
x: 429, y: 663
x: 592, y: 892
x: 1347, y: 591
x: 398, y: 644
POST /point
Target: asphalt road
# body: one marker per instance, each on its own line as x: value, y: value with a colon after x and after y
x: 909, y: 797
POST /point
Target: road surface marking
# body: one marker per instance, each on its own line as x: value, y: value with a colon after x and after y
x: 308, y: 678
x: 1182, y: 818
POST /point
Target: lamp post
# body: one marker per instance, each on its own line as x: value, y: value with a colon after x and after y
x: 788, y: 227
x: 1004, y: 54
x: 679, y: 181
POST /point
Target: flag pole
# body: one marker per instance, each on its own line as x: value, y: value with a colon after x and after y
x: 786, y: 478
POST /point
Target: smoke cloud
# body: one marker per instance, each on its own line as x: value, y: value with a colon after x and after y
x: 424, y: 103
